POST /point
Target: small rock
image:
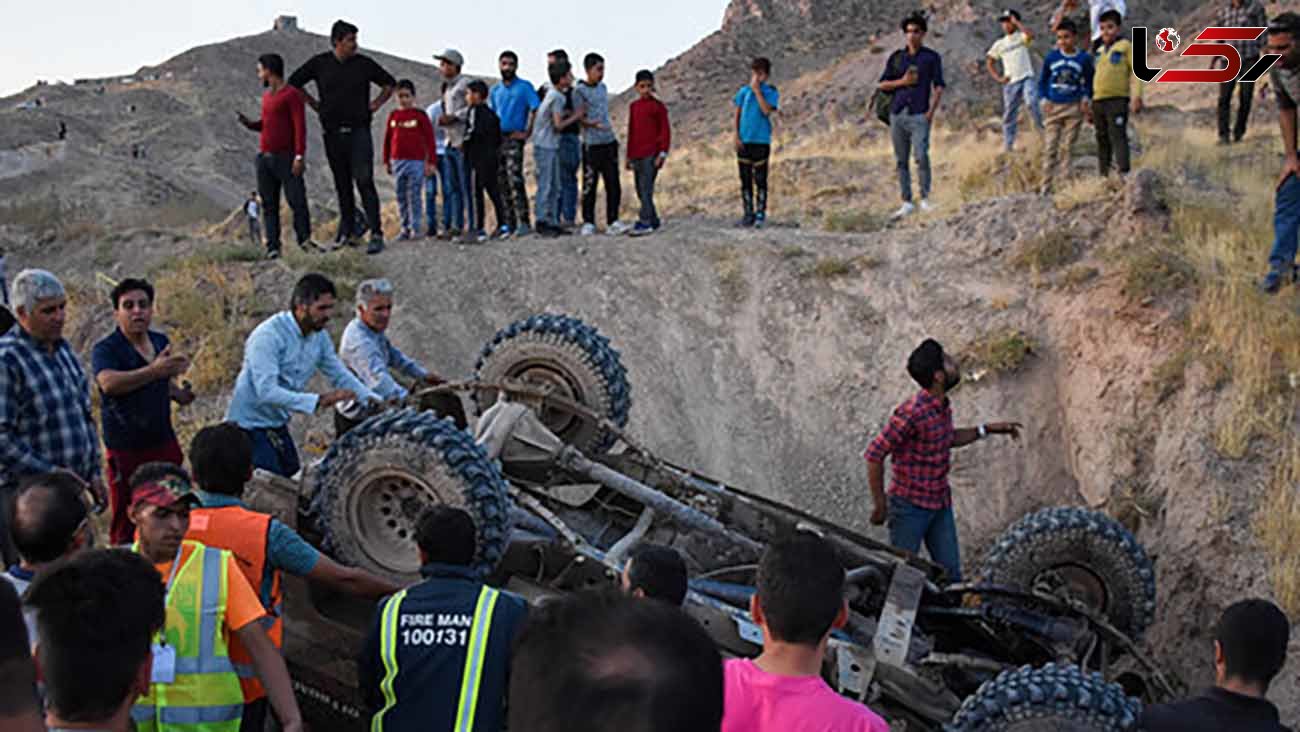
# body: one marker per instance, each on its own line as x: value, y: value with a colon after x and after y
x: 1142, y: 192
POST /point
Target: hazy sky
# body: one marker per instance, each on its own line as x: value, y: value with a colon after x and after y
x: 106, y: 37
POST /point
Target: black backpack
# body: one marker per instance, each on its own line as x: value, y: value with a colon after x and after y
x: 882, y: 101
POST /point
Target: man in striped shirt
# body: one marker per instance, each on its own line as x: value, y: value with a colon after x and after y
x: 45, y: 419
x: 920, y: 436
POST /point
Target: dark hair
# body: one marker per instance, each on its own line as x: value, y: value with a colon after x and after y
x: 645, y: 75
x: 924, y: 362
x: 1111, y: 15
x: 406, y: 84
x: 762, y: 64
x: 508, y: 55
x: 1068, y: 26
x: 446, y: 535
x: 311, y: 288
x: 340, y: 30
x: 659, y: 571
x: 47, y: 511
x: 221, y: 456
x: 592, y: 59
x: 1285, y: 23
x: 478, y: 86
x: 630, y: 665
x: 272, y: 62
x: 130, y: 284
x: 916, y: 19
x: 559, y: 54
x: 800, y: 587
x: 155, y: 471
x: 1253, y: 635
x: 98, y: 610
x: 557, y: 71
x: 18, y: 691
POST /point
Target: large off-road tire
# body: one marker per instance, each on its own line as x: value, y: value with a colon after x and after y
x: 570, y: 357
x: 1081, y: 554
x: 1048, y: 699
x: 375, y: 482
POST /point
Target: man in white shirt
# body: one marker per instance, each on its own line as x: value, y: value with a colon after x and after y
x: 1017, y: 75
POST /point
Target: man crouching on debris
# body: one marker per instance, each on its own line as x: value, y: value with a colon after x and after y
x: 919, y: 436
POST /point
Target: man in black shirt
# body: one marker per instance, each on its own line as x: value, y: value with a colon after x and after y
x: 343, y: 78
x: 1249, y: 650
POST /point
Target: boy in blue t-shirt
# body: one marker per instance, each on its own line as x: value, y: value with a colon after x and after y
x: 755, y: 105
x: 1065, y: 86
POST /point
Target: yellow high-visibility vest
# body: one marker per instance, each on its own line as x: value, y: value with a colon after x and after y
x: 475, y: 655
x: 206, y: 696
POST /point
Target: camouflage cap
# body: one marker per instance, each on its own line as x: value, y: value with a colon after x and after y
x: 164, y: 492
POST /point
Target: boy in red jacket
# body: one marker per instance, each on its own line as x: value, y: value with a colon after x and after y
x: 411, y: 154
x: 648, y: 140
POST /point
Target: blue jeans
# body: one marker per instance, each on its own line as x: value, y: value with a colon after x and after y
x: 453, y: 188
x: 1013, y: 95
x: 570, y: 162
x: 1286, y: 226
x: 274, y: 451
x: 910, y: 134
x: 909, y: 525
x: 410, y: 185
x: 548, y: 185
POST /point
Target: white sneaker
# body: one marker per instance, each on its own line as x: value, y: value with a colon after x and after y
x: 587, y: 230
x: 925, y: 206
x: 618, y: 228
x: 905, y: 210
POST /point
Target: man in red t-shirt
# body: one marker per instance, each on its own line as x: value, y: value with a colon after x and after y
x: 411, y: 154
x: 280, y: 163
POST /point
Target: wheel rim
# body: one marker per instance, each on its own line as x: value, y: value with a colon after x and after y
x: 1076, y: 583
x: 559, y: 382
x: 383, y: 513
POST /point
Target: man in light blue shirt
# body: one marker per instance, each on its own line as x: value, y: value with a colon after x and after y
x: 280, y: 357
x: 755, y: 103
x: 368, y: 353
x: 515, y: 101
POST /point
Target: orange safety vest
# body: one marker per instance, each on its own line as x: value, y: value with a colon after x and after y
x: 245, y: 535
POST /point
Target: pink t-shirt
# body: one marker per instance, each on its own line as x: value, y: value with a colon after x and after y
x: 757, y: 701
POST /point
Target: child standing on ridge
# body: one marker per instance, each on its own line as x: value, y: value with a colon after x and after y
x: 1111, y: 101
x: 482, y: 156
x: 648, y: 139
x: 547, y: 124
x: 755, y: 104
x: 1016, y: 77
x: 599, y: 149
x: 1065, y: 86
x: 410, y: 153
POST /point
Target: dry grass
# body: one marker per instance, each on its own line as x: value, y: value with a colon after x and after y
x: 1052, y: 249
x: 1277, y: 526
x: 731, y: 274
x: 1079, y: 275
x: 861, y: 220
x: 998, y: 352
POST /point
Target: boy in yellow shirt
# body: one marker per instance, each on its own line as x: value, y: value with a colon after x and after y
x: 1111, y: 100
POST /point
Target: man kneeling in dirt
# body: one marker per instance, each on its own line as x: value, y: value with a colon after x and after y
x: 221, y: 457
x: 920, y: 436
x: 368, y: 353
x: 1249, y: 651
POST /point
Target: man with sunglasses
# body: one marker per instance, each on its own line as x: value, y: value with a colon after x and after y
x: 50, y: 522
x: 135, y: 370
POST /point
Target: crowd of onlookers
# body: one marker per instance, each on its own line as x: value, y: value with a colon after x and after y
x: 180, y: 627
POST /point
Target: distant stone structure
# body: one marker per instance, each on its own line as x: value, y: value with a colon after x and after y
x: 286, y: 23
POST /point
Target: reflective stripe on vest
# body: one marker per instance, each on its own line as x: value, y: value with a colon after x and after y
x: 246, y: 535
x: 388, y: 655
x: 205, y: 696
x: 474, y: 657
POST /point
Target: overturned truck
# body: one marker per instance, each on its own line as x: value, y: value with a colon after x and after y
x: 1048, y: 637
